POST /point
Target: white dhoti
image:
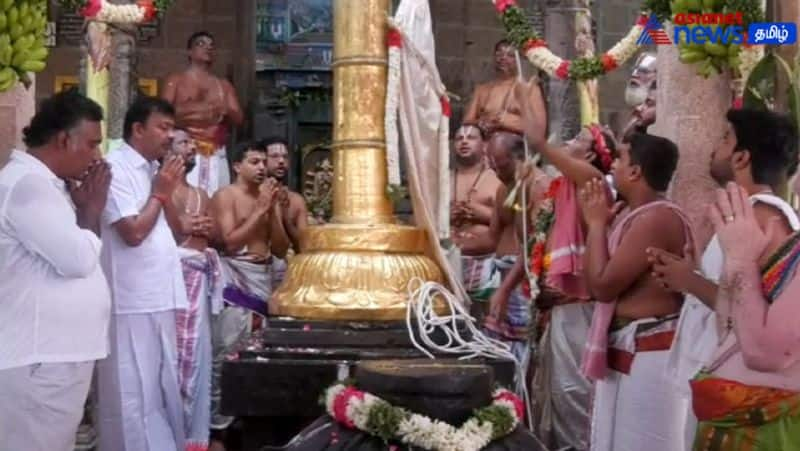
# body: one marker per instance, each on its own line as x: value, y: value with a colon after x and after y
x: 248, y: 287
x: 279, y: 267
x: 211, y: 172
x: 41, y: 405
x: 139, y: 402
x: 201, y: 272
x: 562, y: 394
x: 639, y: 410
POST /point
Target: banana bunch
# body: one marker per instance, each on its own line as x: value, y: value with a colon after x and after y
x: 23, y: 24
x: 711, y: 58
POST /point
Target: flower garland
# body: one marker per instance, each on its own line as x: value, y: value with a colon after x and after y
x: 600, y: 147
x: 539, y: 260
x: 522, y: 35
x: 142, y: 11
x: 360, y: 410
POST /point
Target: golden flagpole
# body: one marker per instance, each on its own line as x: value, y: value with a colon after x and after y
x: 359, y: 266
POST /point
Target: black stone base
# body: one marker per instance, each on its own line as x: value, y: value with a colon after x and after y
x: 275, y: 384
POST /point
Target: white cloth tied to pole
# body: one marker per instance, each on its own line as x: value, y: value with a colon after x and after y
x: 418, y: 97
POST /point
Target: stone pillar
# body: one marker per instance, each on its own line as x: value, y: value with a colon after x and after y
x: 122, y: 85
x: 563, y: 109
x: 17, y: 107
x: 691, y: 112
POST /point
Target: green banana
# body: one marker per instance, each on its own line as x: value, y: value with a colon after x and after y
x: 24, y: 9
x: 13, y: 15
x: 734, y: 61
x: 16, y: 31
x: 709, y: 5
x: 6, y: 4
x: 32, y: 66
x: 715, y: 49
x: 694, y: 5
x: 679, y: 6
x: 6, y: 73
x: 38, y: 53
x: 19, y: 58
x: 734, y: 50
x: 23, y: 43
x: 692, y: 56
x: 3, y: 21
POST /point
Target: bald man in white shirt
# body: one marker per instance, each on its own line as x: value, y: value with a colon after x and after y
x: 54, y: 299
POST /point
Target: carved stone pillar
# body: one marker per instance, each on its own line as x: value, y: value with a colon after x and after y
x: 563, y: 108
x: 691, y: 111
x: 17, y: 107
x: 122, y: 86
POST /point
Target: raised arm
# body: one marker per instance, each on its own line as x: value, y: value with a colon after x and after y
x: 170, y: 92
x: 133, y: 224
x: 768, y: 334
x: 577, y: 170
x: 234, y: 109
x: 473, y: 109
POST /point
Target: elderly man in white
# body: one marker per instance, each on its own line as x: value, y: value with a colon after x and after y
x: 139, y: 402
x: 54, y: 299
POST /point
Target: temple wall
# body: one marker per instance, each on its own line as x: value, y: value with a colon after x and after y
x: 465, y: 30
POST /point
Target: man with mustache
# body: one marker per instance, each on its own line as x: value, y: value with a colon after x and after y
x: 201, y: 274
x: 138, y: 401
x: 472, y: 204
x: 640, y: 94
x: 292, y: 213
x: 206, y: 106
x: 495, y: 105
x: 250, y: 234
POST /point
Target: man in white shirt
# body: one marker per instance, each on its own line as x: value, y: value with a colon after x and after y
x: 54, y: 299
x: 139, y: 402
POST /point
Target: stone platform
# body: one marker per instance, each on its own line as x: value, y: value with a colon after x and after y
x: 274, y: 383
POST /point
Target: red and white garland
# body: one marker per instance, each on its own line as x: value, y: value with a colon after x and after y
x: 537, y: 52
x: 396, y: 42
x: 360, y: 410
x: 101, y: 10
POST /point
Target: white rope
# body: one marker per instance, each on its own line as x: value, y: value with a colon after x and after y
x: 421, y: 308
x: 525, y: 256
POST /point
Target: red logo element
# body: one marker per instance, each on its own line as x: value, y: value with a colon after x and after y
x: 659, y: 37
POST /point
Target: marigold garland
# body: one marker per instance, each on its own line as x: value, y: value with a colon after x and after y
x: 360, y: 410
x: 522, y: 35
x: 537, y: 244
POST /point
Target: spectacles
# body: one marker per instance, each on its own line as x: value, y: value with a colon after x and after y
x: 204, y: 43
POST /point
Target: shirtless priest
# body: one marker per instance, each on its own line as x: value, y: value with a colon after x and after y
x: 292, y: 213
x: 475, y: 187
x: 245, y: 213
x: 634, y: 320
x: 494, y: 104
x: 207, y: 107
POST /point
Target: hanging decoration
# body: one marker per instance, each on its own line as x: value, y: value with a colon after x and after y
x: 141, y: 12
x: 363, y: 411
x: 522, y: 35
x: 22, y: 41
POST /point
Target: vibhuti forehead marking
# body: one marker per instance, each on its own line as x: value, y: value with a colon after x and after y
x: 465, y: 130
